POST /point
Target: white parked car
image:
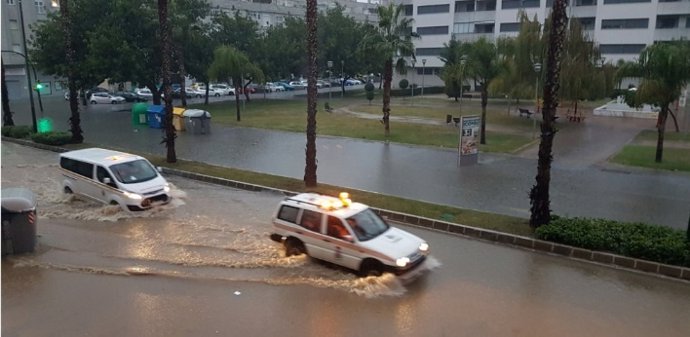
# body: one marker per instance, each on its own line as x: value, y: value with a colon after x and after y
x: 348, y: 234
x: 144, y: 93
x: 223, y: 89
x: 298, y: 84
x: 104, y: 97
x: 191, y: 92
x: 271, y: 87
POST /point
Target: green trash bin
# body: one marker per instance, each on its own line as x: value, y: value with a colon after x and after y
x: 139, y: 113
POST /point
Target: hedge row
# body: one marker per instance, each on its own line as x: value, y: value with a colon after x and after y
x: 417, y: 91
x: 49, y: 138
x: 637, y: 240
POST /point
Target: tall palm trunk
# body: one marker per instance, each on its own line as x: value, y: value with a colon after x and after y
x: 310, y: 167
x: 74, y: 120
x: 183, y: 75
x: 661, y: 129
x: 387, y: 78
x: 169, y: 137
x: 237, y: 96
x: 539, y: 195
x: 6, y: 113
x: 485, y: 99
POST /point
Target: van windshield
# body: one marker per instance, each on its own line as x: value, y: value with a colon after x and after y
x: 367, y: 225
x: 134, y: 171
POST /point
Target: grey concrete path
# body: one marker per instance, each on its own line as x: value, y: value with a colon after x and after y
x: 581, y: 184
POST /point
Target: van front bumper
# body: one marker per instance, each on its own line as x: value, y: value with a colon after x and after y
x: 149, y: 203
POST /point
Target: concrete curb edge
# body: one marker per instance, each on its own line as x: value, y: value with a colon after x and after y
x: 602, y: 258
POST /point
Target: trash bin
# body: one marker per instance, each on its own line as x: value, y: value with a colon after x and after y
x: 197, y: 121
x: 139, y: 114
x: 155, y: 115
x: 18, y: 221
x: 178, y: 119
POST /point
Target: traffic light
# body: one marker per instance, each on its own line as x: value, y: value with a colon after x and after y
x: 39, y: 85
x: 45, y: 125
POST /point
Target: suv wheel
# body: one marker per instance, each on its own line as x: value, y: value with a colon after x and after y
x: 371, y: 268
x: 294, y: 247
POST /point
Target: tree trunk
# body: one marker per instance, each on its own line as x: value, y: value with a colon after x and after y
x: 6, y: 113
x: 485, y: 99
x: 169, y: 137
x: 310, y: 168
x: 237, y: 96
x: 539, y: 194
x: 183, y: 75
x: 388, y: 77
x: 675, y: 121
x: 661, y: 128
x: 156, y: 95
x: 206, y: 85
x: 74, y: 120
x: 246, y: 91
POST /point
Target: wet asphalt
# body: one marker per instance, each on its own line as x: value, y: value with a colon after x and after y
x: 582, y: 183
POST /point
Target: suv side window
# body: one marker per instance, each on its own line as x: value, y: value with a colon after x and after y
x: 336, y: 229
x: 288, y: 213
x: 311, y: 220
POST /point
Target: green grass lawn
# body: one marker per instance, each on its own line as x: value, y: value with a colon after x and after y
x: 290, y: 115
x: 675, y: 159
x: 652, y: 135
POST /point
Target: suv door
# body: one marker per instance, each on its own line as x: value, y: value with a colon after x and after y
x: 342, y: 248
x: 312, y: 236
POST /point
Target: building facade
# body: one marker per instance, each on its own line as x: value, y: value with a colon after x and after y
x: 621, y: 28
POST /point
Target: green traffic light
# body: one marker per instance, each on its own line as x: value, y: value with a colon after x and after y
x: 39, y: 86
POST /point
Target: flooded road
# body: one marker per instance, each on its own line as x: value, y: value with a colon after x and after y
x: 204, y: 266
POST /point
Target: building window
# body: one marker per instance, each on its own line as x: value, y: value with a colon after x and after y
x: 428, y: 51
x: 621, y: 48
x: 409, y: 10
x: 10, y: 2
x: 485, y: 5
x: 624, y: 23
x: 687, y: 22
x: 433, y: 9
x: 611, y: 2
x: 40, y: 9
x: 510, y: 4
x: 463, y: 28
x: 14, y: 25
x: 436, y: 30
x: 667, y: 21
x: 510, y: 27
x: 464, y: 6
x: 484, y: 28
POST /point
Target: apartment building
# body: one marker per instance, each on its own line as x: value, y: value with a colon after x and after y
x: 621, y: 28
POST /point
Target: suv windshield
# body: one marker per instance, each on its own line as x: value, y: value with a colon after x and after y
x: 367, y: 225
x: 134, y: 171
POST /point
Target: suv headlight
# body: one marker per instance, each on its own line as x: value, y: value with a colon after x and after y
x: 424, y: 247
x: 402, y: 262
x: 166, y: 188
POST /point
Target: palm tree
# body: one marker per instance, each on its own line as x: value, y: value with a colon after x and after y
x: 169, y: 137
x: 665, y: 71
x: 310, y: 167
x: 453, y: 73
x: 539, y: 194
x: 6, y: 113
x: 484, y: 65
x: 74, y: 120
x: 230, y: 63
x: 392, y: 38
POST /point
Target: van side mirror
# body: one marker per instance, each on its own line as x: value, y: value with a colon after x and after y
x: 160, y: 169
x: 107, y: 180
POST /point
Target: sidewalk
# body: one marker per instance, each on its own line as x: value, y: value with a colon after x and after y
x: 580, y: 184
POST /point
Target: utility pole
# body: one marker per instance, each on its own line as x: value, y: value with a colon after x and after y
x: 26, y: 65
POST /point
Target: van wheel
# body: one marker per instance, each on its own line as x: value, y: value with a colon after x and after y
x: 371, y: 268
x: 67, y: 190
x: 294, y: 247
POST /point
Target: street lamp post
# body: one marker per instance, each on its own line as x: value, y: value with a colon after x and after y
x: 463, y: 59
x: 330, y: 65
x: 537, y: 69
x: 28, y: 76
x: 342, y: 78
x: 412, y: 86
x: 423, y: 73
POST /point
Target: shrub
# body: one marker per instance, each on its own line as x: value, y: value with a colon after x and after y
x: 403, y: 83
x: 52, y: 138
x: 16, y: 131
x: 369, y: 86
x: 638, y: 240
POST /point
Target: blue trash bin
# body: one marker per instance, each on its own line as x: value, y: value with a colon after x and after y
x: 154, y: 116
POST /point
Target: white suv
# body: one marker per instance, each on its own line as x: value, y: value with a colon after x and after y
x: 348, y: 234
x: 222, y: 89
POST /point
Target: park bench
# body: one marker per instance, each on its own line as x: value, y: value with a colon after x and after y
x: 525, y: 112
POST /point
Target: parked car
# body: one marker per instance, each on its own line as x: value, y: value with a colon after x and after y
x: 322, y: 84
x: 353, y: 81
x: 144, y: 93
x: 104, y: 97
x: 273, y: 87
x: 298, y: 84
x: 130, y: 96
x: 285, y: 85
x: 223, y: 89
x: 198, y: 93
x: 95, y: 90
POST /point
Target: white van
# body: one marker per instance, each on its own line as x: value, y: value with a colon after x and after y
x: 114, y: 178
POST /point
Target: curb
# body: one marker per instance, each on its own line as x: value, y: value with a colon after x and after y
x: 602, y: 258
